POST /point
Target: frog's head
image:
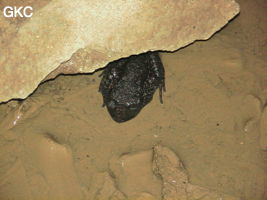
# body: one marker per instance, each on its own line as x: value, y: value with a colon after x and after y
x: 122, y: 112
x: 124, y: 104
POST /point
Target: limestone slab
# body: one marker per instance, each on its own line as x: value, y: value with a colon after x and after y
x: 66, y: 36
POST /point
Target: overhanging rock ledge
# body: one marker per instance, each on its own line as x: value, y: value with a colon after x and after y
x: 67, y: 36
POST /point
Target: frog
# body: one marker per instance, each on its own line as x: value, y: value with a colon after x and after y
x: 128, y: 84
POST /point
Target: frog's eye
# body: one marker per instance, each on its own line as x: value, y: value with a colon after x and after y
x: 132, y: 108
x: 111, y: 104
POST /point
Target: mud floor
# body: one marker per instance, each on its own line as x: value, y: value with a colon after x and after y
x: 61, y: 144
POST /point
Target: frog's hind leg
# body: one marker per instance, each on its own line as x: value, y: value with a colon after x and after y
x: 158, y: 72
x: 161, y: 88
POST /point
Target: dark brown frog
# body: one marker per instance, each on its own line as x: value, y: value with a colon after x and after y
x: 129, y: 84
